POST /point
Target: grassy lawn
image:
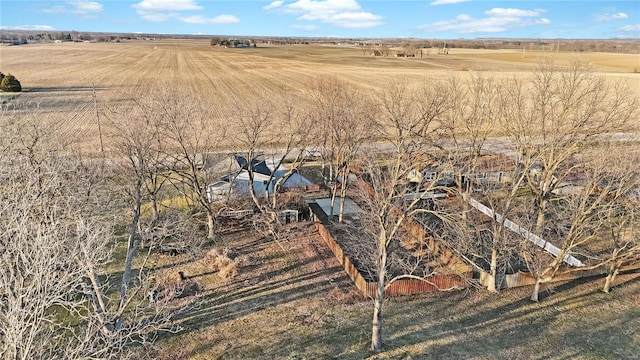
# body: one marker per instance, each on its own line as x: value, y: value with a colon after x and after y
x: 299, y: 304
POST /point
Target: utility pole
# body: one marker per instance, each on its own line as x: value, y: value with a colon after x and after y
x: 95, y: 105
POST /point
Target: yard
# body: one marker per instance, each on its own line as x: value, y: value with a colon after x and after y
x: 299, y: 303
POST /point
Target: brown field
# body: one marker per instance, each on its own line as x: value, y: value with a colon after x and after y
x: 59, y: 78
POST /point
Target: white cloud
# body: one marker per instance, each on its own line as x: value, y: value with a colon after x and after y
x: 322, y: 6
x: 498, y: 20
x: 273, y: 5
x: 635, y: 27
x: 445, y: 2
x: 359, y: 20
x: 166, y: 5
x: 86, y: 7
x: 341, y: 13
x: 220, y: 19
x: 76, y: 7
x: 58, y: 9
x: 501, y: 12
x: 29, y: 27
x: 609, y: 17
x: 163, y: 10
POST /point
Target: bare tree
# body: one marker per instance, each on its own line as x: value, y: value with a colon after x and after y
x: 191, y: 134
x: 561, y: 111
x: 135, y: 143
x: 577, y: 219
x: 467, y: 123
x: 622, y: 222
x: 624, y: 235
x: 330, y: 102
x: 349, y: 134
x: 255, y: 131
x: 284, y: 134
x: 406, y: 124
x: 53, y: 237
x: 295, y: 129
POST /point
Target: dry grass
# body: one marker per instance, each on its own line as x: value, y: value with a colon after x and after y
x: 299, y: 302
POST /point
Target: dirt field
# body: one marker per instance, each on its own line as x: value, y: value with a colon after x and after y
x: 60, y: 78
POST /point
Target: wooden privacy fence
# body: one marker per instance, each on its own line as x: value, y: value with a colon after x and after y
x: 399, y: 287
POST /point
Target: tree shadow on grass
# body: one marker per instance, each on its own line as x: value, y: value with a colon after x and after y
x: 553, y: 328
x: 273, y: 278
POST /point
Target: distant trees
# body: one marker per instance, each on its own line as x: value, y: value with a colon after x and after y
x: 216, y: 41
x: 9, y: 83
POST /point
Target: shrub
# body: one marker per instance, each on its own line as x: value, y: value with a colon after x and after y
x: 222, y: 261
x: 10, y: 83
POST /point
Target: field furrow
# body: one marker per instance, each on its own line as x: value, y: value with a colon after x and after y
x: 58, y: 79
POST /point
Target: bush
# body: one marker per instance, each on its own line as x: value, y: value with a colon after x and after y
x: 10, y: 83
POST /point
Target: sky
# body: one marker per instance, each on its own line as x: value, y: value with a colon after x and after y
x: 430, y: 19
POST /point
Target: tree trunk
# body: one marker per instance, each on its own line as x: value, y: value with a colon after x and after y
x: 274, y: 198
x: 211, y: 228
x: 131, y: 244
x: 376, y: 329
x: 341, y: 211
x: 536, y: 289
x: 611, y: 275
x: 333, y: 197
x: 542, y: 210
x: 607, y: 283
x: 252, y: 191
x: 343, y: 194
x: 493, y: 271
x: 155, y: 214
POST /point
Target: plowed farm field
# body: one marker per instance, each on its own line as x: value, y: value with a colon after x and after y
x: 60, y: 79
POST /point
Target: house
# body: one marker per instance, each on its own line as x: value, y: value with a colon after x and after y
x: 265, y: 175
x: 493, y: 169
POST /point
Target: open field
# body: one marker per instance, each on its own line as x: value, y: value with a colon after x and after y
x: 60, y: 78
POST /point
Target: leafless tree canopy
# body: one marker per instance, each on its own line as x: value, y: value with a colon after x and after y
x: 56, y: 234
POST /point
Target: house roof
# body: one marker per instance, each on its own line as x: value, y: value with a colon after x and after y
x: 258, y: 166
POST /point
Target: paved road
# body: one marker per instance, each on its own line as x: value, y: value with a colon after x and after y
x: 498, y: 145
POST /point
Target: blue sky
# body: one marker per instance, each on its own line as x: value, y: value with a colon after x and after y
x: 442, y: 19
